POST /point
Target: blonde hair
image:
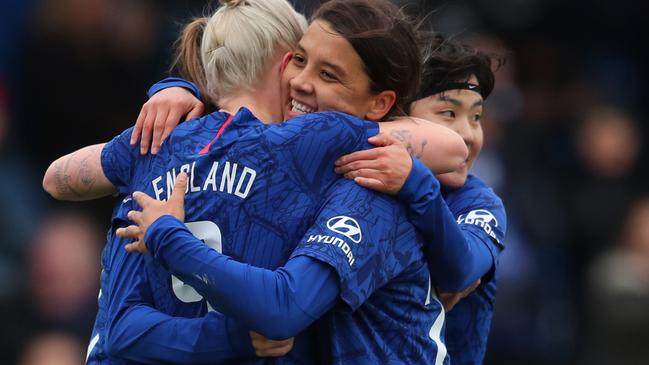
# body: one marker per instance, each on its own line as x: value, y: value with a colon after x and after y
x: 231, y: 49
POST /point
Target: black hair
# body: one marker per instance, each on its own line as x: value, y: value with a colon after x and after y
x: 449, y: 62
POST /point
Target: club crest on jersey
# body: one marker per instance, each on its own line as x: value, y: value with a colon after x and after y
x: 346, y: 226
x: 482, y: 218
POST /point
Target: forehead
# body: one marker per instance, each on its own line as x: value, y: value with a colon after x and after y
x: 324, y: 44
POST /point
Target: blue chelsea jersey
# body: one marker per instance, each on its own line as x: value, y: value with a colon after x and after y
x: 478, y: 210
x: 270, y: 183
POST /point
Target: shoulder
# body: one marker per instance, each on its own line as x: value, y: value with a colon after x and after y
x: 475, y: 192
x: 323, y: 122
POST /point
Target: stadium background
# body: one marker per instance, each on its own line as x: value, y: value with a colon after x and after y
x: 565, y: 148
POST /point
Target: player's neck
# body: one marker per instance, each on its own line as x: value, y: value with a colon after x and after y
x: 232, y: 105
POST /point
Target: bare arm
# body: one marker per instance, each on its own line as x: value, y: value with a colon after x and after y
x: 78, y: 176
x: 439, y: 148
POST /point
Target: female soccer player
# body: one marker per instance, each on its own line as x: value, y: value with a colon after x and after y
x: 457, y: 80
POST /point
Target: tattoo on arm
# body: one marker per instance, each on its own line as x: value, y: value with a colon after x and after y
x: 405, y: 137
x: 74, y: 175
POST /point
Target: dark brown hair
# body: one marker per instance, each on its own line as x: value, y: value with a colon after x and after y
x: 386, y: 41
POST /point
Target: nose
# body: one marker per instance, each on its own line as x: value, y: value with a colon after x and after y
x: 465, y: 131
x: 301, y: 83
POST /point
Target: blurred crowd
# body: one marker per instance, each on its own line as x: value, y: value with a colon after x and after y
x: 565, y: 147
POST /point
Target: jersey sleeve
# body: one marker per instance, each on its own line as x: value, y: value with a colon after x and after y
x: 276, y: 303
x: 481, y: 213
x: 456, y: 258
x: 138, y: 332
x: 174, y: 82
x: 117, y: 161
x: 364, y: 236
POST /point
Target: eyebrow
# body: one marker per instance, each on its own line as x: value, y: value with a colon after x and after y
x: 457, y: 102
x: 339, y: 70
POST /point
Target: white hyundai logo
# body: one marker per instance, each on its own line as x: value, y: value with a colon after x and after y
x: 346, y: 226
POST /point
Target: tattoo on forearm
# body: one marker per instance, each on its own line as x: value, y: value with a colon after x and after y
x: 405, y: 137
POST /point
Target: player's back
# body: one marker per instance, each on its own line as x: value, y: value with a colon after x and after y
x: 253, y: 189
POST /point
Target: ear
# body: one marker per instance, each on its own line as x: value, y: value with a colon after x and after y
x: 381, y: 105
x: 285, y: 60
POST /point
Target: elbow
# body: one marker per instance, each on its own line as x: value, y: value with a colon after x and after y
x: 49, y: 182
x: 281, y: 327
x: 457, y: 277
x: 456, y: 151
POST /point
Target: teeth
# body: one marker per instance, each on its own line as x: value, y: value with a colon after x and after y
x: 300, y: 108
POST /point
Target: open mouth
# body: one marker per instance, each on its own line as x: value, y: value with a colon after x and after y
x: 300, y: 108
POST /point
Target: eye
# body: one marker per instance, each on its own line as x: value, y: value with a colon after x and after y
x: 299, y: 60
x: 447, y: 114
x: 477, y: 117
x: 328, y: 76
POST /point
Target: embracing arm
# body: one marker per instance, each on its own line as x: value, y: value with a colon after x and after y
x: 138, y: 332
x: 457, y: 256
x: 78, y: 176
x: 439, y: 148
x: 276, y: 303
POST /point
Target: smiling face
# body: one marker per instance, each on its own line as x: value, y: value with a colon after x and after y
x: 461, y: 111
x: 326, y: 74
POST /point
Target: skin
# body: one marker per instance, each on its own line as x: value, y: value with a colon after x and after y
x: 327, y: 74
x: 461, y: 111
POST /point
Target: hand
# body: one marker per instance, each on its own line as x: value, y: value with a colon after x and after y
x: 152, y: 210
x: 161, y: 114
x: 384, y: 168
x: 449, y: 300
x: 265, y: 347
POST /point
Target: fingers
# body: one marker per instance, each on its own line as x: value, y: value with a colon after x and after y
x: 135, y: 135
x: 131, y: 231
x: 149, y: 129
x: 135, y: 217
x: 370, y: 154
x: 142, y: 199
x: 372, y: 184
x: 361, y: 165
x: 177, y: 198
x: 383, y: 139
x: 449, y: 300
x: 137, y: 246
x: 265, y: 347
x: 196, y: 111
x: 276, y: 351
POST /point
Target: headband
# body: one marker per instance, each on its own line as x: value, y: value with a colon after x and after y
x: 436, y: 89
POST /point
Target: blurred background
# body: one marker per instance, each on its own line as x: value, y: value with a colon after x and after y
x: 565, y: 148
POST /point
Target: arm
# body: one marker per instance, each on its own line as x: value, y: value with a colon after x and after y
x: 293, y: 296
x: 78, y: 176
x: 438, y: 147
x: 458, y: 255
x: 138, y: 332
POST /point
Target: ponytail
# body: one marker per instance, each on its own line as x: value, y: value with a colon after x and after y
x: 188, y: 59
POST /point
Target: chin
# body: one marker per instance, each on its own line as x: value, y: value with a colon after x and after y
x: 452, y: 180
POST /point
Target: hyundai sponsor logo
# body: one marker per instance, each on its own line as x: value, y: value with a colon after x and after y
x: 346, y: 226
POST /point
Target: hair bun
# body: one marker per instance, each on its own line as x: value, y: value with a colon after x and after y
x: 232, y: 3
